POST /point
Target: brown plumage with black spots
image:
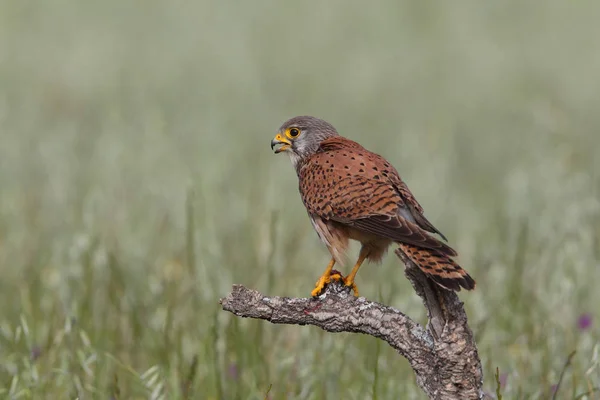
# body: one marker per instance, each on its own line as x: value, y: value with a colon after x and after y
x: 352, y: 193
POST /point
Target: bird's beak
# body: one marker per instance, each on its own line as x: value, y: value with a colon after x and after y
x: 280, y: 140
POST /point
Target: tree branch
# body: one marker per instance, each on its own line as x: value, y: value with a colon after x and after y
x: 443, y: 354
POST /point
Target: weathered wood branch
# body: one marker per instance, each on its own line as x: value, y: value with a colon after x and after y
x: 443, y: 354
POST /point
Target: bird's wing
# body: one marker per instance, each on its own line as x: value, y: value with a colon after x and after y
x: 380, y: 167
x: 345, y: 183
x: 413, y: 206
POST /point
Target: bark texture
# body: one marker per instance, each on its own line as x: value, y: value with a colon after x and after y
x: 443, y: 354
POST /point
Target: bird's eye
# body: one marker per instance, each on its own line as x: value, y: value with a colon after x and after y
x: 293, y: 132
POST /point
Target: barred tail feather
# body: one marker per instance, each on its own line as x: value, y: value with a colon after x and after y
x: 439, y: 267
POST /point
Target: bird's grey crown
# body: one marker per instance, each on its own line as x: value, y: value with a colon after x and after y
x: 312, y: 124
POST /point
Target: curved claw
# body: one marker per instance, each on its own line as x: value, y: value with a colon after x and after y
x: 324, y: 281
x: 350, y: 283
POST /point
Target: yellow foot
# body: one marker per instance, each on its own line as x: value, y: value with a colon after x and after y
x: 350, y: 283
x: 323, y: 281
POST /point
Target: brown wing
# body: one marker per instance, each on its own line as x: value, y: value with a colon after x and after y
x: 350, y: 185
x: 380, y: 168
x: 414, y: 208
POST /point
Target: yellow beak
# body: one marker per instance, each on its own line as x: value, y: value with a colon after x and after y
x: 280, y: 140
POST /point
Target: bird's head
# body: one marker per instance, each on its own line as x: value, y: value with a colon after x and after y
x: 300, y: 137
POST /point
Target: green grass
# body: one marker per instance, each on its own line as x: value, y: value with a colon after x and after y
x: 137, y: 185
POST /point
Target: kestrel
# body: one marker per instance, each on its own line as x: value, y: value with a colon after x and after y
x: 352, y: 193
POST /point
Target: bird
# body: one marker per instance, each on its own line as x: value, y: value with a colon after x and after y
x: 351, y: 193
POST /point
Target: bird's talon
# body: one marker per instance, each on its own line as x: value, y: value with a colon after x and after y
x: 352, y: 285
x: 324, y: 280
x: 335, y: 277
x: 318, y: 288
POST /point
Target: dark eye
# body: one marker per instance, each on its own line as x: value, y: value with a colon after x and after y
x: 294, y: 132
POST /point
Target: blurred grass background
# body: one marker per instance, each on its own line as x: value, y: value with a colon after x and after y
x: 137, y: 185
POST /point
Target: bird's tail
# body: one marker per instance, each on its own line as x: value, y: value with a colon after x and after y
x: 439, y: 267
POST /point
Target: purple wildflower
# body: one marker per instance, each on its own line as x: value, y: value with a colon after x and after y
x: 35, y: 353
x: 503, y: 378
x: 232, y: 371
x: 584, y: 322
